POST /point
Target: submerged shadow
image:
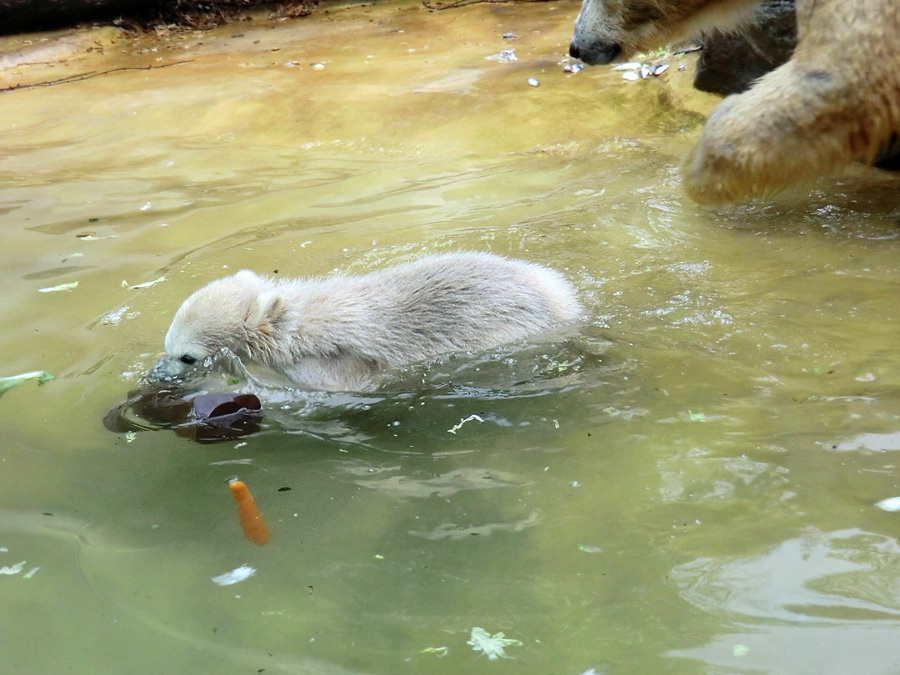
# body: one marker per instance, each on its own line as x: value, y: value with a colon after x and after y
x: 505, y: 387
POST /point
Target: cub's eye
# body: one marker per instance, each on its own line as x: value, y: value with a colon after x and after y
x: 187, y: 359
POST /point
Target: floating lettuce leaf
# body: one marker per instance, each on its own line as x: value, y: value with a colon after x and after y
x: 13, y: 569
x: 14, y: 381
x: 890, y: 504
x: 234, y: 576
x: 491, y: 645
x: 457, y: 427
x: 146, y: 284
x: 61, y: 287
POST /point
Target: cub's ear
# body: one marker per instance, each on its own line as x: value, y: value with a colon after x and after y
x: 266, y: 310
x: 246, y: 277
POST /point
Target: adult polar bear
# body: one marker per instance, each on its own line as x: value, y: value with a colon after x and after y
x: 836, y: 101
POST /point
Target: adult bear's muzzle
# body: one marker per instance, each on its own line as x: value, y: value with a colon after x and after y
x: 595, y: 54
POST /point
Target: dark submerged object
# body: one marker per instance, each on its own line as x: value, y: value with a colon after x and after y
x: 199, y: 416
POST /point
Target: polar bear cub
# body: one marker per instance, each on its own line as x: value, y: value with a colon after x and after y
x: 341, y: 332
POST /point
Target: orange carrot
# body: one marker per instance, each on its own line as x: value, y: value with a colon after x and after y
x: 251, y: 522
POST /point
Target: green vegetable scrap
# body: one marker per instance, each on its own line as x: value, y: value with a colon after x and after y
x: 457, y: 427
x: 491, y: 645
x: 61, y: 287
x: 146, y: 284
x: 7, y: 383
x: 13, y: 569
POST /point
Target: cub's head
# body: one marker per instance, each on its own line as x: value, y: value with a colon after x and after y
x: 237, y: 313
x: 609, y: 29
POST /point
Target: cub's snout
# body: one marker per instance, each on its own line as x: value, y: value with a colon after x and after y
x: 169, y: 368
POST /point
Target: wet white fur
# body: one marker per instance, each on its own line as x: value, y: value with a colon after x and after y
x: 339, y: 333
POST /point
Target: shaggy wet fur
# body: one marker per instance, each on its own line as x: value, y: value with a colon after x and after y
x: 835, y: 102
x: 342, y: 332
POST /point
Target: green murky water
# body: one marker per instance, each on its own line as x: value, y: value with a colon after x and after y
x: 689, y: 486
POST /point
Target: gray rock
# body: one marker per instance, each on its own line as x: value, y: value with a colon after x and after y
x: 731, y: 62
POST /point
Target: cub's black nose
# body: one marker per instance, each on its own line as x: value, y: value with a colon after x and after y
x: 574, y: 51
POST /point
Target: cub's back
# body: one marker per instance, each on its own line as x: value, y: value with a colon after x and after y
x: 468, y: 301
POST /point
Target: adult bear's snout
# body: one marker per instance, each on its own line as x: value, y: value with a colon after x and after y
x: 596, y: 54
